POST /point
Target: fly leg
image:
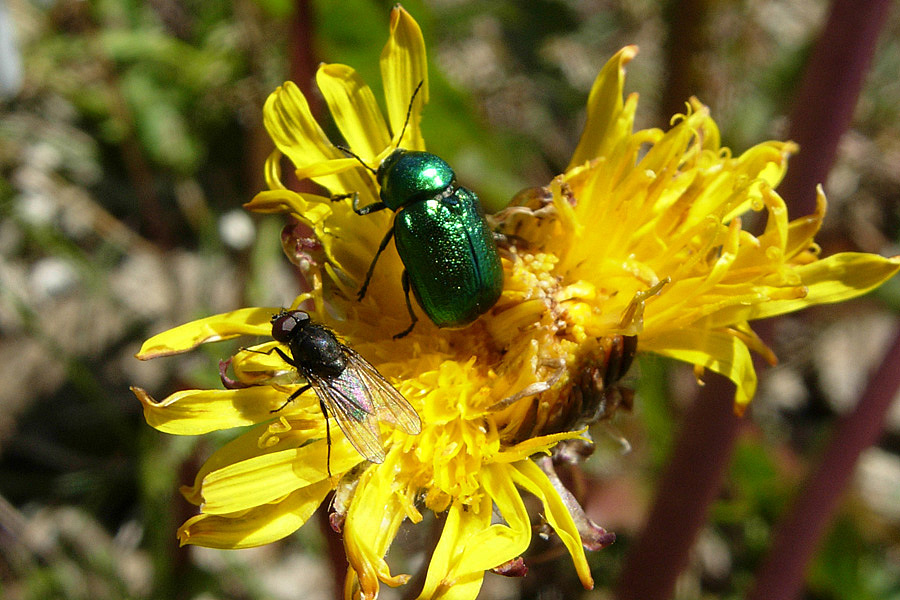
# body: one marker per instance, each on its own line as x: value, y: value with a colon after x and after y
x: 281, y: 353
x: 327, y: 437
x: 291, y: 399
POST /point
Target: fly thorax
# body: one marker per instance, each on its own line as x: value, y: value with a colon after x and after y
x: 319, y: 351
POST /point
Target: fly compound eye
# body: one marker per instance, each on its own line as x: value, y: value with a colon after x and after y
x: 286, y: 324
x: 282, y: 325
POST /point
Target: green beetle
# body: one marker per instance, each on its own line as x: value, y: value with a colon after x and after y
x: 448, y: 251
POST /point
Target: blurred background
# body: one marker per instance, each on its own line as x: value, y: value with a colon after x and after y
x: 130, y: 135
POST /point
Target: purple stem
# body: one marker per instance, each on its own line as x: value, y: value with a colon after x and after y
x: 824, y: 104
x: 823, y: 111
x: 824, y: 107
x: 690, y: 484
x: 799, y: 533
x: 303, y: 56
x: 687, y: 41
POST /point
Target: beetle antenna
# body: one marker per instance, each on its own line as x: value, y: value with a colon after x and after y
x: 409, y: 111
x: 351, y: 154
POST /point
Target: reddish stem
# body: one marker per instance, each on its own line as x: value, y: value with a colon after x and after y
x: 690, y: 484
x: 824, y: 107
x: 824, y: 104
x: 303, y: 66
x: 687, y: 41
x: 704, y: 446
x: 823, y: 111
x: 303, y: 54
x: 335, y: 553
x: 799, y: 533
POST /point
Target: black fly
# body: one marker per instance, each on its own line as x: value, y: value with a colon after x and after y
x: 347, y: 385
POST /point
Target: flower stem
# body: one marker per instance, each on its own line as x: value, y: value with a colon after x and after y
x: 799, y: 533
x: 302, y: 54
x: 690, y: 484
x: 687, y: 40
x: 823, y: 111
x: 335, y: 553
x: 823, y: 106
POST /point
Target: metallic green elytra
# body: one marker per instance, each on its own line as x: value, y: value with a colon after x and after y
x: 448, y: 251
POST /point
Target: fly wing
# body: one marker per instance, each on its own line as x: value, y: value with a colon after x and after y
x: 347, y: 398
x: 387, y: 403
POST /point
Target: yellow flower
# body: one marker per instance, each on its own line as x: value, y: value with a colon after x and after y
x: 639, y: 241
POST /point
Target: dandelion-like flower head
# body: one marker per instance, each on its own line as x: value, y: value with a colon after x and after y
x: 638, y: 245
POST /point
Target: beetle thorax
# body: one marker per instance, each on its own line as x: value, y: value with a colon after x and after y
x: 408, y: 176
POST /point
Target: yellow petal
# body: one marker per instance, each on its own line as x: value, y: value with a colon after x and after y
x: 373, y: 519
x: 713, y: 350
x: 272, y: 170
x: 265, y: 438
x: 311, y: 209
x: 317, y: 171
x: 767, y: 161
x: 403, y: 67
x: 296, y: 134
x: 497, y: 544
x: 529, y: 476
x: 255, y: 527
x: 526, y: 448
x: 290, y: 124
x: 349, y: 254
x: 355, y: 112
x: 773, y: 241
x: 605, y: 125
x: 801, y: 231
x: 673, y: 149
x: 833, y: 279
x: 246, y: 321
x: 729, y: 305
x: 745, y: 333
x: 268, y: 477
x: 461, y: 524
x: 464, y: 588
x: 195, y: 412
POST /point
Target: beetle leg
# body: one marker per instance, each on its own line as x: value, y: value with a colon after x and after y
x: 412, y: 315
x: 381, y: 247
x: 365, y: 210
x: 368, y: 210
